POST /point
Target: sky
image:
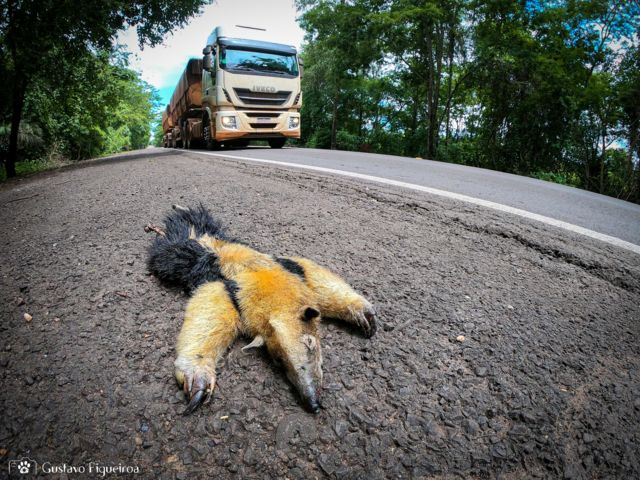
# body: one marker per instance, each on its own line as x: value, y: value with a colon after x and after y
x: 161, y: 66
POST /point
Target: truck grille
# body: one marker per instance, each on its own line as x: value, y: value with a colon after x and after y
x: 263, y: 125
x: 261, y: 98
x: 262, y: 114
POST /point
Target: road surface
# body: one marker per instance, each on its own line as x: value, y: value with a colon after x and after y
x: 598, y: 213
x: 544, y: 384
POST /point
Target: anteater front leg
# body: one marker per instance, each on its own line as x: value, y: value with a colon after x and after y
x: 337, y: 299
x: 210, y: 325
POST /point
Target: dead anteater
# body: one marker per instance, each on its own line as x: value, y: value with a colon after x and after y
x: 236, y: 290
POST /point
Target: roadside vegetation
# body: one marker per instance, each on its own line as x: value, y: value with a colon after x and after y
x: 73, y: 119
x: 68, y: 93
x: 549, y: 89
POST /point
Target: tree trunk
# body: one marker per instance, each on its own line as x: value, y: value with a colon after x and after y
x: 430, y: 92
x: 634, y: 186
x: 414, y: 125
x: 434, y: 124
x: 587, y: 177
x: 334, y: 122
x: 360, y: 119
x: 450, y: 57
x: 603, y: 157
x: 16, y: 116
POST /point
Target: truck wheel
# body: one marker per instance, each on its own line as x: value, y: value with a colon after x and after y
x: 277, y: 142
x: 209, y: 143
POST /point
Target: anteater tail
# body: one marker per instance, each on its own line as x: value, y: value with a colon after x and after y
x: 177, y: 258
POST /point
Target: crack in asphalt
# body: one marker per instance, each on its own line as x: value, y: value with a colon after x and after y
x: 593, y: 268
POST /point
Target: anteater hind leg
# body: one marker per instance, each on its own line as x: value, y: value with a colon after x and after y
x: 337, y: 299
x: 210, y: 325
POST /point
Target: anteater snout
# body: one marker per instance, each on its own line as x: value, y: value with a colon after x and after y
x: 313, y: 404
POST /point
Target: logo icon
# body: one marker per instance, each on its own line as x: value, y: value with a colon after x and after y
x: 263, y: 89
x: 22, y: 466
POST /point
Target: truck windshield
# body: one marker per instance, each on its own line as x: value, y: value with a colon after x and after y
x: 259, y: 63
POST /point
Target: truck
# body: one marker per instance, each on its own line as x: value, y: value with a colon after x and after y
x: 242, y: 89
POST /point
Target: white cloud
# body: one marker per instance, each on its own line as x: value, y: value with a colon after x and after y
x: 161, y: 66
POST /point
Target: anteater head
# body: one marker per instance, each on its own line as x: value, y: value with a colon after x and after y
x: 292, y: 340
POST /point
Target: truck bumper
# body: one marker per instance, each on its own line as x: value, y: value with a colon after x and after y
x: 257, y: 124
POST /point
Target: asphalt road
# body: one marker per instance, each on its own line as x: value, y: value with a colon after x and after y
x: 593, y: 211
x: 505, y: 349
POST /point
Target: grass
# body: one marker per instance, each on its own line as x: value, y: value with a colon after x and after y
x: 29, y: 167
x: 563, y: 178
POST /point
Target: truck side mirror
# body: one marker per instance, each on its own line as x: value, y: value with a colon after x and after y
x: 207, y: 62
x: 301, y: 66
x: 207, y: 59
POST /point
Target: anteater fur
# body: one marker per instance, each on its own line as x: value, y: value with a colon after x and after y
x: 177, y: 258
x: 236, y: 290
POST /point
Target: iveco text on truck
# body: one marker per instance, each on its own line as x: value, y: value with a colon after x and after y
x: 243, y: 89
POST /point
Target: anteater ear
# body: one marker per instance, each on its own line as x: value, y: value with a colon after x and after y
x: 257, y: 342
x: 310, y: 313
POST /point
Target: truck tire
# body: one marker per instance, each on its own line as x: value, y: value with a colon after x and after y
x: 209, y: 143
x: 277, y: 142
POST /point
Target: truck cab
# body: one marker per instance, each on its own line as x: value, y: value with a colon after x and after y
x: 250, y: 89
x: 242, y: 89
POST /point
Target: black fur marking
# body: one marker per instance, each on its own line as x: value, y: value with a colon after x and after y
x: 179, y: 222
x: 232, y: 289
x: 310, y: 313
x: 291, y: 266
x: 187, y: 263
x: 175, y: 258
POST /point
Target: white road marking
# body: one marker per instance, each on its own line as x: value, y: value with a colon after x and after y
x: 455, y: 196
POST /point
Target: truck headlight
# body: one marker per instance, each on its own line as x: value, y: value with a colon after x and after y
x: 294, y: 122
x: 229, y: 122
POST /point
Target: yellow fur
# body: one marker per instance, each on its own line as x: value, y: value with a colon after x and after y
x: 211, y: 324
x: 235, y: 258
x: 277, y: 306
x: 273, y: 302
x: 336, y: 299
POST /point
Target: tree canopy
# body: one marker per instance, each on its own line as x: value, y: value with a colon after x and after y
x: 543, y: 88
x: 60, y: 54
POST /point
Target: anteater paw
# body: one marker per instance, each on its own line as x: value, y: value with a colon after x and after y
x: 365, y: 318
x: 197, y: 379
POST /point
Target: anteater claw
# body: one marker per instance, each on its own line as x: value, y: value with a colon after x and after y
x: 367, y: 321
x: 196, y: 400
x: 180, y: 208
x: 199, y: 394
x: 197, y: 383
x: 150, y: 227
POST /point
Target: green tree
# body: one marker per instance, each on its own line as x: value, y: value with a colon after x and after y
x: 423, y: 36
x: 39, y: 37
x: 93, y: 106
x: 534, y: 87
x: 627, y: 87
x: 158, y: 132
x: 342, y: 47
